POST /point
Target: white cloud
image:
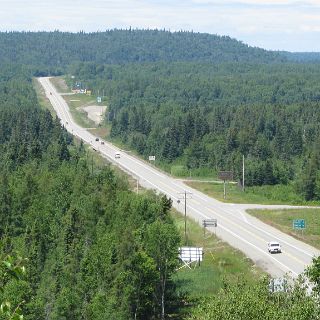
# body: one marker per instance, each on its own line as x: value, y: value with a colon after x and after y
x: 259, y: 2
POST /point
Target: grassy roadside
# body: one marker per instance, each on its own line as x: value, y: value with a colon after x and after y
x: 278, y: 194
x: 76, y: 102
x: 94, y: 159
x: 42, y: 99
x: 220, y: 261
x: 60, y: 84
x: 283, y: 220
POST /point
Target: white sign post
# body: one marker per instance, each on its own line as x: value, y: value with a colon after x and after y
x: 188, y: 255
x: 152, y: 158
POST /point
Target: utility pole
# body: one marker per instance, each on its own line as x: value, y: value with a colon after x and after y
x: 137, y: 185
x: 185, y: 194
x: 92, y: 163
x: 243, y: 172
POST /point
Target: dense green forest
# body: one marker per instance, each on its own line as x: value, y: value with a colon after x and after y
x: 209, y: 115
x: 95, y: 249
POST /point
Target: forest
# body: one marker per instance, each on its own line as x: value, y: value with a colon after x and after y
x: 76, y: 242
x: 54, y: 51
x: 94, y: 249
x: 210, y: 115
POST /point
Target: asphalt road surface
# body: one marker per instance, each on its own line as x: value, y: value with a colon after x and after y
x: 234, y: 225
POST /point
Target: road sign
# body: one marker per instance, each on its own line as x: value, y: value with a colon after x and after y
x: 188, y: 255
x: 99, y: 99
x: 225, y: 175
x: 299, y: 224
x: 278, y: 285
x: 152, y: 158
x: 210, y: 223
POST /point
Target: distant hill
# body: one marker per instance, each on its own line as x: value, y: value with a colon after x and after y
x: 301, y: 56
x: 58, y: 49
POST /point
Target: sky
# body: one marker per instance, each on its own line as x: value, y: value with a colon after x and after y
x: 291, y: 25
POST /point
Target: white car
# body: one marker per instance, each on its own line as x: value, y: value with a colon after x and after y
x: 117, y: 155
x: 274, y: 247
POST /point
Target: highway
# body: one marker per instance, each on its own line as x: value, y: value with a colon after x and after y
x: 234, y: 225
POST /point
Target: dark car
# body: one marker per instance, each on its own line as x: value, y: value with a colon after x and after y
x: 97, y: 139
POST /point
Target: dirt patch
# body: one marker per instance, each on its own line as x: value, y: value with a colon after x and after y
x: 95, y: 113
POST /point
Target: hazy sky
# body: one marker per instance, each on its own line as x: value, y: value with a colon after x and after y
x: 291, y: 25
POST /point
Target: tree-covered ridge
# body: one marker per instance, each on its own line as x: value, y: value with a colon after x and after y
x: 209, y: 115
x: 304, y: 57
x: 55, y: 50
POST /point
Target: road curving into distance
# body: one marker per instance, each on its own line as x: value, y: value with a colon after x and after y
x: 235, y: 226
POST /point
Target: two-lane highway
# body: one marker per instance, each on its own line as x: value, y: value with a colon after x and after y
x: 235, y: 226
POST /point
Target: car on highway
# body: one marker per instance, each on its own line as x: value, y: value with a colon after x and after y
x: 102, y: 142
x: 274, y: 247
x: 97, y: 139
x: 117, y: 155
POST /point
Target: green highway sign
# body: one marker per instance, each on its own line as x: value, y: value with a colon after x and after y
x: 299, y: 224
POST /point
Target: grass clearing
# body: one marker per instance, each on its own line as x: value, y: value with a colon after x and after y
x: 278, y: 194
x: 220, y: 261
x: 76, y: 102
x: 60, y: 84
x: 42, y: 98
x: 283, y: 220
x: 181, y: 171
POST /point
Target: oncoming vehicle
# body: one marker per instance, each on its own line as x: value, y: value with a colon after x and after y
x: 117, y: 155
x: 274, y: 247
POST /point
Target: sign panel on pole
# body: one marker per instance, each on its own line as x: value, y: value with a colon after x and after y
x: 152, y: 158
x: 210, y: 223
x: 299, y: 224
x: 225, y: 175
x: 190, y: 254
